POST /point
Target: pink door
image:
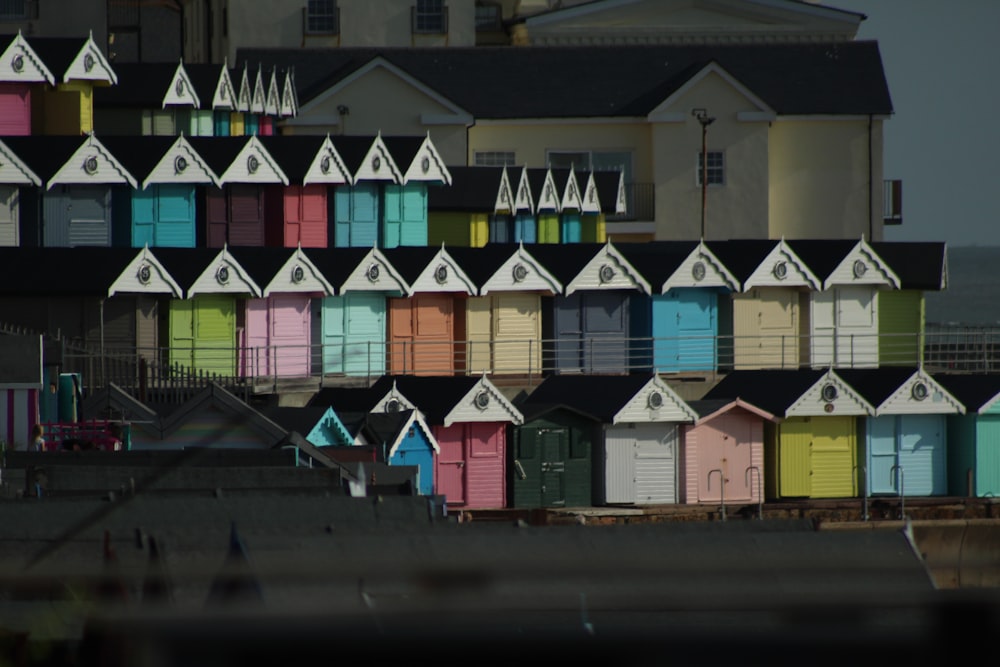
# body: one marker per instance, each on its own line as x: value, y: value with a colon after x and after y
x: 451, y: 463
x: 485, y: 475
x: 305, y: 216
x: 725, y: 453
x: 290, y: 335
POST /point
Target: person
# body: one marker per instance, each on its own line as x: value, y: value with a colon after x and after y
x: 37, y: 442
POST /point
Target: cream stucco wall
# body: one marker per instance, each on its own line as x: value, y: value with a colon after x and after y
x: 820, y: 182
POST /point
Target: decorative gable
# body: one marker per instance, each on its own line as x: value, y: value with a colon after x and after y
x: 253, y: 164
x: 90, y: 65
x: 427, y: 165
x: 19, y: 63
x: 590, y: 200
x: 224, y: 275
x: 702, y: 269
x: 393, y: 402
x: 145, y: 275
x: 181, y: 164
x: 375, y: 274
x: 782, y: 268
x: 272, y: 99
x: 608, y: 270
x: 327, y: 167
x: 524, y: 201
x: 416, y: 421
x: 920, y: 394
x: 571, y: 197
x: 505, y: 198
x: 181, y: 92
x: 378, y: 164
x: 13, y: 170
x: 225, y: 94
x: 259, y: 93
x: 548, y: 198
x: 830, y: 396
x: 521, y: 273
x: 655, y: 402
x: 299, y: 275
x: 862, y: 266
x: 244, y: 93
x: 443, y: 274
x: 289, y: 100
x: 484, y: 403
x: 92, y: 163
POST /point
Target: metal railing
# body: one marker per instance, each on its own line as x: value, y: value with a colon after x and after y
x: 640, y: 204
x: 178, y: 372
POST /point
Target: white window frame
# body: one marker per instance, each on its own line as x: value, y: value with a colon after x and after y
x: 494, y: 158
x: 716, y: 172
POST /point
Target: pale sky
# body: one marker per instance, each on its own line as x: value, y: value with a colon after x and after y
x: 942, y: 63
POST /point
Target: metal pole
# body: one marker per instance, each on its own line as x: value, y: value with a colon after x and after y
x: 704, y: 172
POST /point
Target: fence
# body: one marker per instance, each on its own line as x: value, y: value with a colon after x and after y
x: 155, y: 374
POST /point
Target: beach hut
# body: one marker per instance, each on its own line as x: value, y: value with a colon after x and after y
x: 357, y: 208
x: 22, y: 73
x: 296, y: 214
x: 722, y: 452
x: 234, y: 212
x: 570, y: 205
x: 552, y: 456
x: 424, y: 327
x: 603, y: 196
x: 404, y: 204
x: 637, y: 441
x: 503, y: 325
x: 525, y: 218
x: 162, y: 209
x: 905, y: 440
x: 474, y: 210
x: 150, y: 98
x: 922, y: 266
x: 586, y: 328
x: 241, y: 107
x: 320, y: 425
x: 469, y: 418
x: 769, y: 328
x: 214, y: 87
x: 350, y: 327
x: 403, y: 438
x: 547, y: 200
x: 678, y: 326
x: 973, y: 436
x: 843, y: 314
x: 15, y: 176
x: 812, y: 452
x: 275, y: 339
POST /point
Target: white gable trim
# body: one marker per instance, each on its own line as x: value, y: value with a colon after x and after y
x: 272, y: 101
x: 505, y: 198
x: 145, y: 275
x: 394, y: 395
x: 608, y: 270
x: 910, y: 398
x: 91, y: 163
x: 375, y: 274
x: 590, y: 201
x: 299, y: 275
x: 862, y: 266
x: 13, y: 170
x: 20, y: 63
x: 668, y: 104
x: 327, y: 167
x: 782, y: 268
x: 416, y: 419
x: 378, y: 164
x: 443, y: 274
x: 181, y: 164
x: 714, y: 273
x: 508, y: 277
x: 254, y: 164
x: 181, y: 92
x: 524, y: 200
x: 244, y: 93
x: 571, y: 198
x: 289, y: 102
x: 548, y: 198
x: 379, y: 62
x: 846, y: 402
x: 89, y: 64
x: 225, y: 94
x: 257, y: 100
x: 483, y: 403
x: 655, y: 402
x: 224, y: 275
x: 427, y: 165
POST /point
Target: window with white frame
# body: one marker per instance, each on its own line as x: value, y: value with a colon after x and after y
x: 493, y: 158
x: 322, y: 17
x: 430, y: 16
x: 715, y: 171
x: 488, y: 17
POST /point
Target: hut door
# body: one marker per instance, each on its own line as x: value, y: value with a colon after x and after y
x: 684, y: 330
x: 554, y: 448
x: 832, y: 458
x: 655, y: 468
x: 15, y: 109
x: 921, y: 455
x: 605, y: 332
x: 246, y: 216
x: 857, y: 344
x: 405, y: 215
x: 289, y: 334
x: 882, y: 455
x: 433, y: 321
x: 356, y: 215
x: 216, y: 217
x: 619, y: 465
x: 451, y: 463
x: 401, y: 336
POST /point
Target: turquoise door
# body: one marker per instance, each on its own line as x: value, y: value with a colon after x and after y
x: 684, y: 330
x: 356, y: 216
x: 353, y: 334
x: 405, y: 215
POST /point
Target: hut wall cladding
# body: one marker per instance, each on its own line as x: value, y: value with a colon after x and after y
x: 15, y: 109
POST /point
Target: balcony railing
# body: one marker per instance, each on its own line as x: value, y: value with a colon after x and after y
x: 892, y: 202
x: 640, y: 204
x: 145, y: 373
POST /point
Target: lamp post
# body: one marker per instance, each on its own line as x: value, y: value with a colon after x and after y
x: 702, y: 115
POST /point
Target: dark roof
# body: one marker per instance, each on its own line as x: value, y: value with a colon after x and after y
x: 599, y: 395
x: 57, y: 53
x: 336, y: 264
x: 920, y: 265
x: 741, y: 256
x: 822, y: 256
x: 44, y: 154
x: 346, y: 400
x: 481, y: 264
x: 435, y: 396
x: 536, y: 181
x: 352, y: 149
x: 410, y: 261
x: 139, y: 85
x: 218, y: 152
x: 656, y: 261
x: 607, y: 183
x: 262, y: 263
x: 472, y: 189
x: 771, y: 390
x: 564, y: 261
x: 138, y: 154
x: 403, y: 149
x: 876, y: 385
x: 55, y: 270
x: 532, y: 410
x: 620, y: 80
x: 973, y: 390
x: 185, y: 265
x: 205, y: 79
x: 295, y: 153
x: 382, y: 428
x: 292, y: 418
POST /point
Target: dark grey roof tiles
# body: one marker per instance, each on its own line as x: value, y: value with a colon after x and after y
x: 138, y: 154
x: 599, y: 395
x: 772, y: 390
x: 920, y: 265
x: 294, y: 153
x: 140, y: 85
x: 564, y: 261
x: 67, y: 271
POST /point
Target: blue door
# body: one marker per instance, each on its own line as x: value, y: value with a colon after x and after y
x: 570, y: 229
x: 906, y: 455
x: 525, y: 228
x: 356, y: 216
x: 685, y: 330
x: 164, y: 216
x: 416, y: 451
x: 353, y: 334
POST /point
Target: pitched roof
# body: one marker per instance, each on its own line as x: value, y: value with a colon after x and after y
x: 976, y: 391
x: 920, y: 265
x: 602, y: 396
x: 772, y: 390
x: 620, y: 81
